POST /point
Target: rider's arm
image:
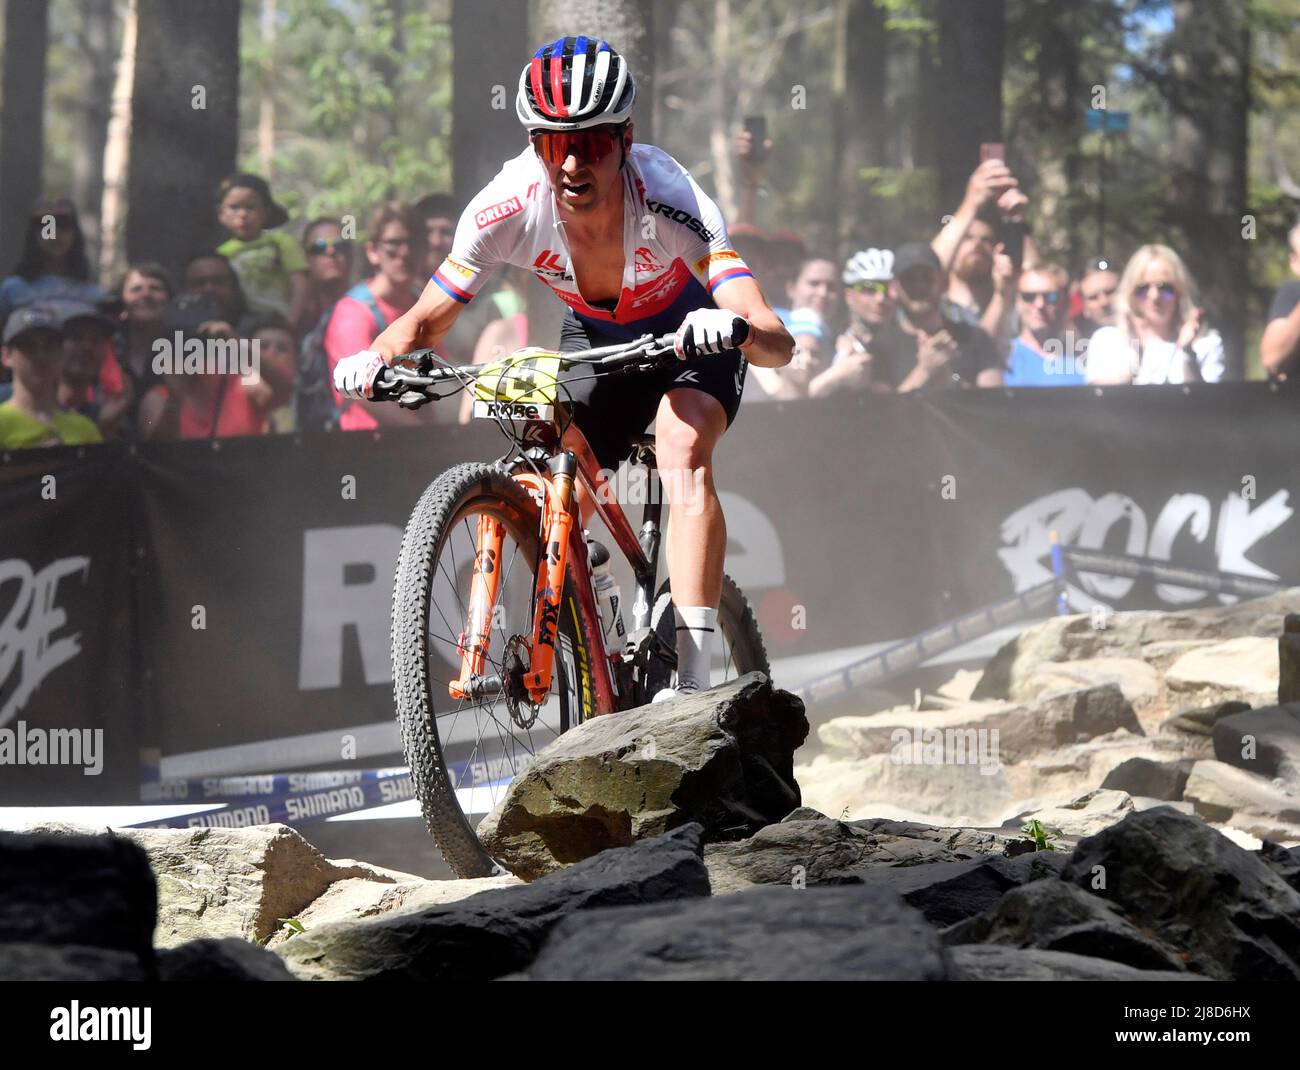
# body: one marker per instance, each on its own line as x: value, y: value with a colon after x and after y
x: 349, y: 331
x: 771, y: 345
x: 421, y: 326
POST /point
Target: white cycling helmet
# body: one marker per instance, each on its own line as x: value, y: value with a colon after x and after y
x: 574, y: 83
x: 870, y: 265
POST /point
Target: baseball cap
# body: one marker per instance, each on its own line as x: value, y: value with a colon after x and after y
x: 31, y: 318
x: 914, y: 255
x: 69, y: 310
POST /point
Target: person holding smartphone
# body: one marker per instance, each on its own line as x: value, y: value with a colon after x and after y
x: 981, y: 247
x: 1161, y: 335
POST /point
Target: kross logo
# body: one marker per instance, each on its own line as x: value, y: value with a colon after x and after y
x: 677, y: 215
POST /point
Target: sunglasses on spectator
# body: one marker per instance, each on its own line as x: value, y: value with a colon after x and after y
x: 589, y: 146
x: 328, y: 247
x: 1162, y: 289
x: 877, y: 288
x: 1030, y: 297
x: 392, y: 246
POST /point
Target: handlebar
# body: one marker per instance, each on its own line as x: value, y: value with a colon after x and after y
x: 415, y: 373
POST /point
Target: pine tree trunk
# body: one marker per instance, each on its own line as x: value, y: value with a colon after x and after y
x: 185, y: 129
x: 117, y: 156
x: 1208, y: 96
x: 22, y: 139
x: 266, y: 105
x: 92, y: 118
x: 862, y: 125
x: 489, y: 48
x: 969, y: 98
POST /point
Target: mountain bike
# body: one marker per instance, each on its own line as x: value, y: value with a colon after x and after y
x: 498, y: 639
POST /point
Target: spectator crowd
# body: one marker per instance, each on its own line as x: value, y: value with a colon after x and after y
x: 976, y: 305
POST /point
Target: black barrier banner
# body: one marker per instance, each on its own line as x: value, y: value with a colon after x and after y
x: 68, y: 724
x: 234, y: 614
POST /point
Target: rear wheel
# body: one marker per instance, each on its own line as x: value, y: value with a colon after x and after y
x: 463, y: 753
x: 738, y: 646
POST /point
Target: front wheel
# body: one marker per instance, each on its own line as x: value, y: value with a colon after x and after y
x: 464, y: 752
x: 738, y: 647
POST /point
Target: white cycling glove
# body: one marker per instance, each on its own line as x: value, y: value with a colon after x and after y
x: 710, y: 330
x: 354, y: 376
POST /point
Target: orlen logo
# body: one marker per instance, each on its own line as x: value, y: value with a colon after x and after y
x: 645, y: 260
x: 494, y: 213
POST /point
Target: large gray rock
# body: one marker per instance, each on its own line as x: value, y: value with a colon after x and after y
x: 1222, y: 909
x: 992, y: 962
x: 1022, y: 730
x: 1218, y: 790
x: 1067, y: 772
x: 227, y: 959
x: 1288, y: 658
x: 1138, y: 680
x: 948, y: 892
x: 92, y: 892
x: 1053, y: 915
x: 723, y: 758
x: 1193, y: 730
x: 1242, y: 669
x: 70, y: 962
x: 1264, y: 741
x: 1125, y: 635
x: 1150, y: 779
x: 215, y: 882
x: 1084, y: 816
x: 1283, y: 861
x: 356, y: 899
x: 764, y: 934
x: 498, y: 932
x: 820, y: 851
x: 950, y: 792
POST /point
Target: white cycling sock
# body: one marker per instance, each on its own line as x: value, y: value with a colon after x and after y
x: 695, y: 626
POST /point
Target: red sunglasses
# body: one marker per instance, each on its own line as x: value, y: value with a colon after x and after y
x: 588, y: 146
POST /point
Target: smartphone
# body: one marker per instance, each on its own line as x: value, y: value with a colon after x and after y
x: 992, y: 150
x: 1012, y: 234
x: 756, y: 127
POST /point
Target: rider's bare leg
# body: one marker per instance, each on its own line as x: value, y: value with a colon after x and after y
x: 688, y: 426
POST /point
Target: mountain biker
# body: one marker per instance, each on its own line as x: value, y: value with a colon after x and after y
x: 623, y: 235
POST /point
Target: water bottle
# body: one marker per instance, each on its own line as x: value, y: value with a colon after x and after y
x: 608, y: 595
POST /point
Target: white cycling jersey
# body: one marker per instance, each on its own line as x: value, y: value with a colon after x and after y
x: 675, y: 246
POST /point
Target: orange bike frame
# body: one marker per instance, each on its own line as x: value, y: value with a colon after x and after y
x: 562, y: 541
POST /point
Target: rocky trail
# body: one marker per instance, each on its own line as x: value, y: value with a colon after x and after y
x: 1101, y: 803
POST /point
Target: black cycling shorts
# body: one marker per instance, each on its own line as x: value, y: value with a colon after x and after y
x: 612, y: 409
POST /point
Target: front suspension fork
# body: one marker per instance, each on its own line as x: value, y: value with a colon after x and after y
x: 558, y: 522
x: 472, y: 643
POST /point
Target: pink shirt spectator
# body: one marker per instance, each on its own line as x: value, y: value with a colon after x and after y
x: 351, y: 329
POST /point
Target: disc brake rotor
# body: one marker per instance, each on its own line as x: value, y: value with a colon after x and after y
x: 523, y: 711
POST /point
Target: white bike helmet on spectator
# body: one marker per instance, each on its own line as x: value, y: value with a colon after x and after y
x: 870, y: 265
x: 574, y: 83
